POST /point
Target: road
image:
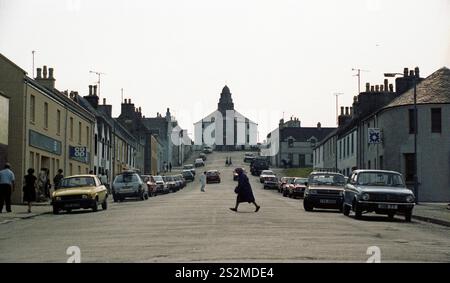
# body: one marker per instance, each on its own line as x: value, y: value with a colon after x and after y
x: 191, y: 226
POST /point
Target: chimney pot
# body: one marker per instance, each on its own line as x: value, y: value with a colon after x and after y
x: 95, y: 90
x: 386, y: 84
x: 90, y: 90
x: 351, y: 111
x: 346, y: 111
x: 104, y: 101
x: 411, y: 73
x: 367, y: 87
x: 391, y: 87
x: 39, y: 73
x: 50, y: 73
x: 319, y: 125
x: 45, y: 72
x: 372, y: 88
x: 377, y: 88
x: 416, y: 72
x: 342, y: 110
x: 381, y: 88
x: 405, y: 72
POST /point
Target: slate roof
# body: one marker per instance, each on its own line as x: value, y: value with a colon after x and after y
x: 303, y: 134
x: 434, y: 89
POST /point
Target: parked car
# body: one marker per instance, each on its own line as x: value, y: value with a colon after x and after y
x: 379, y: 191
x: 179, y: 178
x: 235, y: 174
x: 171, y: 184
x: 249, y: 157
x: 258, y: 165
x: 190, y: 167
x: 79, y: 191
x: 157, y: 186
x: 199, y: 162
x: 212, y: 176
x: 284, y: 183
x: 271, y: 182
x: 202, y: 156
x: 297, y: 188
x: 187, y: 175
x: 129, y: 185
x: 324, y: 190
x: 264, y: 174
x: 207, y: 149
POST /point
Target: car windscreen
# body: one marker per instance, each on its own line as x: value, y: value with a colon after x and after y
x: 272, y: 179
x: 380, y: 179
x: 326, y: 180
x: 300, y: 181
x: 266, y: 172
x: 188, y: 167
x: 74, y: 182
x: 187, y: 173
x: 127, y: 178
x: 212, y: 173
x: 158, y: 179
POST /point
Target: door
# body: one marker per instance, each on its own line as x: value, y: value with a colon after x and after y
x: 301, y: 160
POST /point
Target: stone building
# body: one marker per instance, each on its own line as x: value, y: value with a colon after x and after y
x: 226, y: 128
x: 4, y: 123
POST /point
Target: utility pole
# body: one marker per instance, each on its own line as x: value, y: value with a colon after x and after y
x: 32, y: 52
x: 99, y: 77
x: 359, y: 77
x: 337, y: 106
x: 121, y: 91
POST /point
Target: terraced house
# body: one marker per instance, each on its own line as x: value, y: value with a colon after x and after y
x: 47, y: 129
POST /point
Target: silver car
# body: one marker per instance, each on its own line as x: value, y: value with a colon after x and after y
x: 129, y: 185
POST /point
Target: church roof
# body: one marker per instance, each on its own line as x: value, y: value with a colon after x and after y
x: 213, y: 114
x: 225, y: 89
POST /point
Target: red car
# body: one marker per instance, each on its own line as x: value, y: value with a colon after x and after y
x: 284, y: 183
x: 212, y: 176
x: 297, y: 188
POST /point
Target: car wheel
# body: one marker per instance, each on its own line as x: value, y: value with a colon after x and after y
x: 105, y: 205
x: 69, y: 210
x: 95, y: 206
x: 55, y: 210
x: 307, y: 206
x: 358, y: 210
x: 115, y: 199
x: 284, y: 194
x: 346, y: 209
x: 146, y: 196
x: 391, y: 215
x: 408, y: 215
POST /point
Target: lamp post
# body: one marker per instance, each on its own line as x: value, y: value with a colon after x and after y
x: 416, y: 183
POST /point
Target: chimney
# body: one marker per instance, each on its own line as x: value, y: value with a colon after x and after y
x: 351, y: 111
x: 411, y: 73
x: 91, y: 98
x: 105, y: 108
x: 391, y: 88
x: 377, y: 88
x: 94, y: 93
x: 405, y: 72
x: 372, y: 88
x: 50, y: 73
x: 48, y: 82
x: 386, y: 84
x: 127, y: 109
x: 346, y: 111
x: 367, y: 87
x: 342, y: 110
x: 416, y: 72
x: 382, y: 88
x: 39, y: 73
x: 90, y: 90
x: 104, y: 101
x: 319, y: 126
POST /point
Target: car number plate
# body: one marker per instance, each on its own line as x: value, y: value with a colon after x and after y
x: 387, y: 206
x: 328, y: 201
x: 71, y: 205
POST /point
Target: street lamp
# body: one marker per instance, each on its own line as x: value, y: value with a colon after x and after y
x: 416, y: 184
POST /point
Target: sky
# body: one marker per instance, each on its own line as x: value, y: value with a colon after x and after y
x: 280, y: 58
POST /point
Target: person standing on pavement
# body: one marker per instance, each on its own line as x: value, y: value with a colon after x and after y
x: 244, y: 191
x: 57, y: 179
x: 41, y: 184
x: 7, y: 181
x: 203, y: 181
x: 29, y: 188
x: 170, y: 166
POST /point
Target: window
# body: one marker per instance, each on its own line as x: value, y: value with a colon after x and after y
x: 436, y: 120
x: 95, y: 144
x: 32, y: 108
x: 79, y: 134
x: 46, y: 115
x: 71, y: 130
x: 290, y: 142
x: 409, y: 167
x: 31, y: 161
x: 70, y: 169
x: 58, y: 122
x: 353, y: 145
x: 368, y: 165
x: 344, y: 147
x: 348, y: 145
x: 412, y: 125
x: 87, y: 137
x: 381, y: 162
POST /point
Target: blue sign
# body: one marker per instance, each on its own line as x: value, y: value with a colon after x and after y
x: 45, y: 143
x: 79, y: 153
x: 374, y: 135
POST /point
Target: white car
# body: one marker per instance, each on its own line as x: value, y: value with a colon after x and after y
x: 265, y: 174
x: 199, y: 162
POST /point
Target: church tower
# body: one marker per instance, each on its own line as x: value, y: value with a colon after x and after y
x: 225, y: 102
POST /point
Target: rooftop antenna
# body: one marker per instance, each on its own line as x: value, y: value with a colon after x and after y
x: 359, y: 77
x: 121, y: 97
x: 99, y: 77
x: 337, y: 94
x: 32, y: 52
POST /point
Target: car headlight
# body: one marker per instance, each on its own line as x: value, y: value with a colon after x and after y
x: 341, y: 193
x: 57, y: 198
x: 410, y: 198
x: 313, y: 192
x: 365, y: 197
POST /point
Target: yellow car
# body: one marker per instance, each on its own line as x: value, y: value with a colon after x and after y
x: 79, y: 191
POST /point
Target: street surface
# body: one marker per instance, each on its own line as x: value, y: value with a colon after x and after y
x: 191, y: 226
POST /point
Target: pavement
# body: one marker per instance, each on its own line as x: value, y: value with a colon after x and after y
x: 194, y: 226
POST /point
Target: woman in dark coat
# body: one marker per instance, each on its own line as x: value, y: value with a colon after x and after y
x: 29, y: 188
x: 244, y: 191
